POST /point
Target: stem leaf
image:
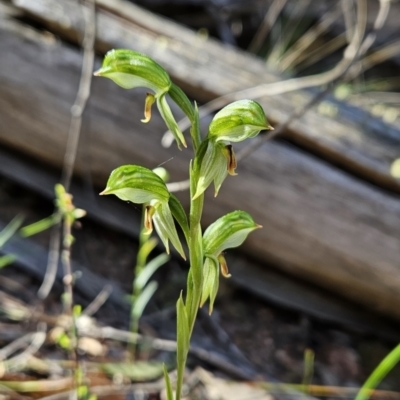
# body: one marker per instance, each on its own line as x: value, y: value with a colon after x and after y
x: 149, y: 269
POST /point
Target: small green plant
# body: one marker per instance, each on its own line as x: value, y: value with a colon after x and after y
x: 66, y: 214
x: 378, y: 374
x: 213, y: 160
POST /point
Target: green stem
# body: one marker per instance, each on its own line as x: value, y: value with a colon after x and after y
x: 134, y: 321
x: 195, y: 277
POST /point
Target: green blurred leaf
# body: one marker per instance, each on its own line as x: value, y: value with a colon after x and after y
x: 137, y: 371
x: 77, y: 310
x: 6, y: 260
x: 149, y: 269
x: 183, y: 337
x: 143, y: 299
x: 39, y: 226
x: 168, y: 386
x: 379, y: 373
x: 145, y: 250
x: 10, y: 229
x: 64, y: 341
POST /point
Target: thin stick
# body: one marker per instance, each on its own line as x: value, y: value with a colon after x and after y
x: 73, y: 138
x: 83, y: 93
x: 36, y: 340
x: 100, y: 299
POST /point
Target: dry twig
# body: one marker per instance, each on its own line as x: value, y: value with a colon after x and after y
x: 77, y: 111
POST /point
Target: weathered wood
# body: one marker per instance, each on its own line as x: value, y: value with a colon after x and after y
x: 319, y: 223
x: 255, y: 277
x: 352, y: 138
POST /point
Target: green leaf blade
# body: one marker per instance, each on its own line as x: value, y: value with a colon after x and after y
x: 149, y: 269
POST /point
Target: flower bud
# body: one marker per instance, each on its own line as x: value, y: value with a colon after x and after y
x: 136, y: 184
x: 238, y: 121
x: 229, y: 231
x: 130, y: 69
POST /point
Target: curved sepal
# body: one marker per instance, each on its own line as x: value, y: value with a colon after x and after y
x: 238, y: 121
x: 227, y: 232
x: 170, y: 121
x: 179, y: 214
x: 165, y: 227
x: 210, y: 282
x: 136, y: 184
x: 211, y: 165
x: 182, y: 101
x: 130, y: 69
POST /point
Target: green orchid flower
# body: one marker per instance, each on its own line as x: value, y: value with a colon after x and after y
x: 141, y: 185
x: 236, y: 122
x: 227, y: 232
x: 130, y: 69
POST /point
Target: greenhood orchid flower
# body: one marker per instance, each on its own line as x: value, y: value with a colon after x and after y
x: 130, y: 69
x: 141, y: 185
x: 216, y: 159
x: 227, y: 232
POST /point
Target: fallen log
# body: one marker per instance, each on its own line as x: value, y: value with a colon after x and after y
x: 350, y: 137
x: 320, y: 223
x: 255, y: 277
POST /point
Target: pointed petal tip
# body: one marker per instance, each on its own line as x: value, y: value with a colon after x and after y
x: 181, y: 143
x: 104, y: 192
